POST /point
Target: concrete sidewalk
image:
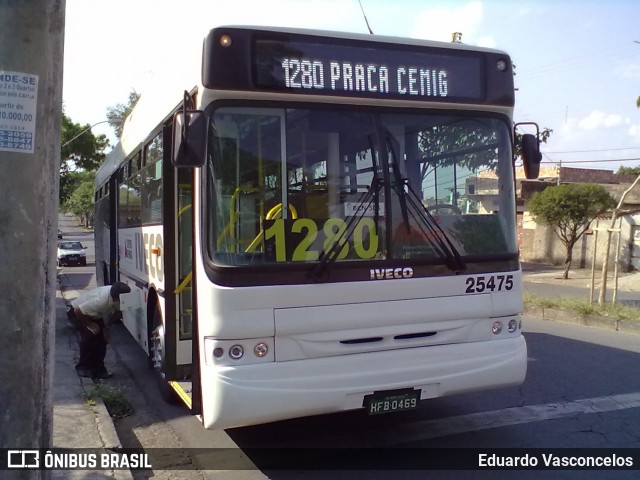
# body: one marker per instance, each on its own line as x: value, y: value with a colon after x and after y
x: 77, y: 422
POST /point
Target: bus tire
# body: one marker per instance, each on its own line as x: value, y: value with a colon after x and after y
x: 157, y: 359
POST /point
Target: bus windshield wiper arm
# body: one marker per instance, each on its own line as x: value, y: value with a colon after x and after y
x: 319, y: 272
x: 435, y: 235
x: 399, y: 184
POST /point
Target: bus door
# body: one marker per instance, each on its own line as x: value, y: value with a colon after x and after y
x: 184, y: 291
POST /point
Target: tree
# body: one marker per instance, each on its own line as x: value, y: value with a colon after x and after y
x: 80, y: 202
x: 628, y: 171
x: 81, y: 150
x: 471, y: 144
x: 568, y: 210
x: 605, y: 263
x: 80, y: 146
x: 543, y: 136
x: 122, y: 111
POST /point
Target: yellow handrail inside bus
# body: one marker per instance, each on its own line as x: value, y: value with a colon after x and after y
x: 187, y: 280
x: 233, y: 214
x: 183, y: 209
x: 274, y: 213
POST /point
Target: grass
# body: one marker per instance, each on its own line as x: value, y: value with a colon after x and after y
x: 583, y: 307
x: 118, y: 405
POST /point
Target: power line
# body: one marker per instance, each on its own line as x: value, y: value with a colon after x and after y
x: 598, y: 150
x: 595, y: 161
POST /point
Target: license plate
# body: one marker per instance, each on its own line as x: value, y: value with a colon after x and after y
x: 379, y: 403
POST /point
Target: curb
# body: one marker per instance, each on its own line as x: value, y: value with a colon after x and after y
x: 104, y: 422
x: 106, y: 429
x: 606, y: 323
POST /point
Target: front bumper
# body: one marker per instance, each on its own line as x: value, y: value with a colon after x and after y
x: 253, y: 394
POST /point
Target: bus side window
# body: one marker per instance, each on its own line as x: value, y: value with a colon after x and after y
x: 152, y: 184
x: 122, y: 197
x: 134, y: 190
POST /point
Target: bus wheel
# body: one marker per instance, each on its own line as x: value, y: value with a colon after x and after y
x: 157, y: 359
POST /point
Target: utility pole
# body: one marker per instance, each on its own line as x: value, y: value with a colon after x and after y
x: 31, y: 58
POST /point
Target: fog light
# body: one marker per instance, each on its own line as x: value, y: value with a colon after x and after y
x: 236, y: 352
x: 218, y: 352
x: 261, y: 350
x: 512, y: 326
x: 496, y: 328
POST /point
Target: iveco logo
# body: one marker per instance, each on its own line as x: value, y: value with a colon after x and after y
x: 390, y: 273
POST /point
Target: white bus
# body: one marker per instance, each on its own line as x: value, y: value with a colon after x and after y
x: 324, y: 222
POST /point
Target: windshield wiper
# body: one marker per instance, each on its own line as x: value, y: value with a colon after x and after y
x: 320, y: 271
x: 410, y: 207
x: 434, y: 234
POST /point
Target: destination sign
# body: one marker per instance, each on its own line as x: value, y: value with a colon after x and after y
x: 386, y: 71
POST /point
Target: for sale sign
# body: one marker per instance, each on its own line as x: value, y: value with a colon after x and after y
x: 18, y: 100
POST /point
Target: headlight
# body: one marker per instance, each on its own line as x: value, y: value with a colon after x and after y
x: 236, y: 352
x: 496, y: 328
x: 261, y: 350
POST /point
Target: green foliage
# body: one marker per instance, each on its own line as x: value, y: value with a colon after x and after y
x: 82, y: 153
x: 69, y: 183
x: 629, y: 171
x: 118, y: 405
x: 443, y: 144
x: 121, y: 111
x: 583, y: 307
x: 544, y: 135
x: 81, y: 150
x: 569, y: 209
x: 80, y: 201
x: 81, y: 147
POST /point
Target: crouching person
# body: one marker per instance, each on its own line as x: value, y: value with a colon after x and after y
x: 91, y: 312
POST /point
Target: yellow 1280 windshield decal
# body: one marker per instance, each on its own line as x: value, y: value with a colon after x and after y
x: 306, y: 239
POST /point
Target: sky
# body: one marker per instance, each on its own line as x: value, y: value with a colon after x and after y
x: 577, y: 61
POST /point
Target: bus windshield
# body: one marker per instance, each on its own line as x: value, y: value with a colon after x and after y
x: 307, y: 185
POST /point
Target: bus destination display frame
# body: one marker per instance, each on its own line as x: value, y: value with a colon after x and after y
x: 388, y: 71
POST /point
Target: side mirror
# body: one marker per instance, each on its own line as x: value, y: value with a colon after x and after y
x: 531, y: 156
x: 189, y: 139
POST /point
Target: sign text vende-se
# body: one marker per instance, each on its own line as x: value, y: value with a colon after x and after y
x: 18, y: 100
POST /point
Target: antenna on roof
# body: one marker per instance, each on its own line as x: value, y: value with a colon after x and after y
x: 365, y: 17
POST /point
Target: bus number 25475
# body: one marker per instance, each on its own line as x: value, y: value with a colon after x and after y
x: 491, y: 283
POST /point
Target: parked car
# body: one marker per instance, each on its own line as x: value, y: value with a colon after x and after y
x: 71, y: 253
